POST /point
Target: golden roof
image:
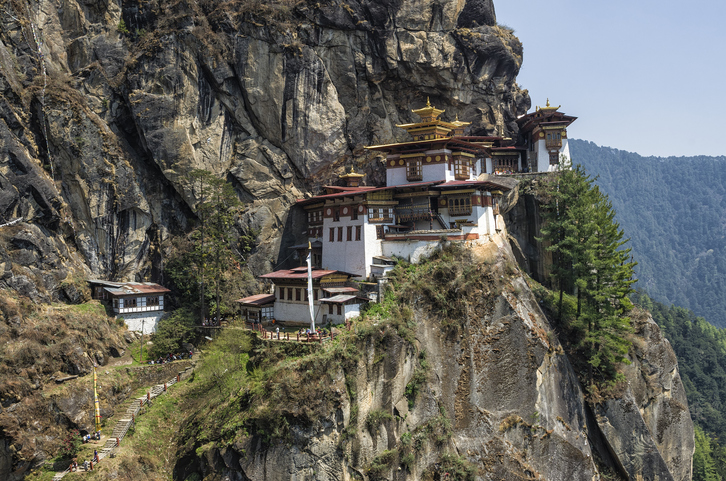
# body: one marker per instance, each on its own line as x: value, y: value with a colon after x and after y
x: 458, y: 123
x: 428, y: 112
x: 548, y: 107
x: 351, y: 174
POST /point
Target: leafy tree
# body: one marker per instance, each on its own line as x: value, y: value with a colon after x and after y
x: 588, y: 260
x: 704, y: 466
x: 173, y: 330
x: 71, y: 444
x: 211, y: 253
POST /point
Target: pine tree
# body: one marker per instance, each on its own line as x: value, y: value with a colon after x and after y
x: 588, y: 261
x: 207, y: 253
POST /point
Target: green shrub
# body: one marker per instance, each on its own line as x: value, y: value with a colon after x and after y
x: 375, y: 418
x: 382, y: 463
x: 458, y: 468
x: 173, y: 330
x: 122, y: 27
x: 71, y: 444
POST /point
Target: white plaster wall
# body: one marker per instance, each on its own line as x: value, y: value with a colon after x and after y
x: 378, y: 270
x: 412, y: 251
x: 396, y: 176
x: 144, y: 322
x: 489, y: 166
x: 565, y: 150
x: 372, y: 245
x: 347, y: 256
x: 543, y: 157
x: 298, y: 312
x: 351, y: 311
x: 434, y: 172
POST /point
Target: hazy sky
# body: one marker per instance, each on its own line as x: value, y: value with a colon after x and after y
x: 641, y: 75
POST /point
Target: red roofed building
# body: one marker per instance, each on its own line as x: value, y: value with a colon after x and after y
x: 141, y: 304
x: 257, y: 308
x: 334, y: 300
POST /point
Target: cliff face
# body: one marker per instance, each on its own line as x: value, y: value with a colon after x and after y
x: 499, y: 399
x: 105, y: 106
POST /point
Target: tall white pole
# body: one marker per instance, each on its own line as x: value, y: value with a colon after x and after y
x: 310, y: 288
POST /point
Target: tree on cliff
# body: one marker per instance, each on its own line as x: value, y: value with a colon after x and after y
x: 208, y: 254
x: 589, y: 262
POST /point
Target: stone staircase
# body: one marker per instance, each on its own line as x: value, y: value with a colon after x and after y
x: 122, y: 427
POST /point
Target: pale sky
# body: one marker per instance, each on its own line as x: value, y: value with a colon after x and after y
x: 644, y: 76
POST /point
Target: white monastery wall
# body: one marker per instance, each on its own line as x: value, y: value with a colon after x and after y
x: 434, y: 172
x: 565, y: 150
x: 412, y: 250
x: 297, y: 312
x: 372, y: 246
x: 543, y: 157
x: 144, y: 322
x: 346, y: 255
x: 396, y: 176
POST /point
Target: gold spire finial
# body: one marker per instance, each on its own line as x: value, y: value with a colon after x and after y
x: 457, y: 117
x: 428, y: 102
x: 548, y: 107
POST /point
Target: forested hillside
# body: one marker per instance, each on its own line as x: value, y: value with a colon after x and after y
x: 674, y: 210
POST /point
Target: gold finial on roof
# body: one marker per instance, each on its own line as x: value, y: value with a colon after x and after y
x: 459, y: 123
x: 351, y: 174
x: 428, y: 113
x: 548, y: 107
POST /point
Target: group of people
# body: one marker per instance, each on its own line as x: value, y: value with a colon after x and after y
x: 213, y: 322
x: 95, y: 436
x: 310, y: 332
x: 172, y: 357
x: 86, y: 464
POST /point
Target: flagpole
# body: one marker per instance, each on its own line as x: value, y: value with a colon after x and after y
x: 95, y: 400
x: 310, y: 287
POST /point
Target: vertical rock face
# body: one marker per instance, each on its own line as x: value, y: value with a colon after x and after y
x: 106, y: 106
x: 649, y: 427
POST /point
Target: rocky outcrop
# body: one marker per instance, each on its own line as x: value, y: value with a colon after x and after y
x: 649, y: 427
x: 106, y: 106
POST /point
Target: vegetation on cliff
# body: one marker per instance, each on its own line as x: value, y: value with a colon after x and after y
x: 589, y: 262
x: 40, y: 345
x: 205, y: 266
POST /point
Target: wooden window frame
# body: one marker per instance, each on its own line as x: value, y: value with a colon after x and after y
x: 414, y: 169
x: 462, y: 169
x: 459, y: 205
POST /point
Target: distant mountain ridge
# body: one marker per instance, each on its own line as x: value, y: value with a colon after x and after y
x: 674, y: 211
